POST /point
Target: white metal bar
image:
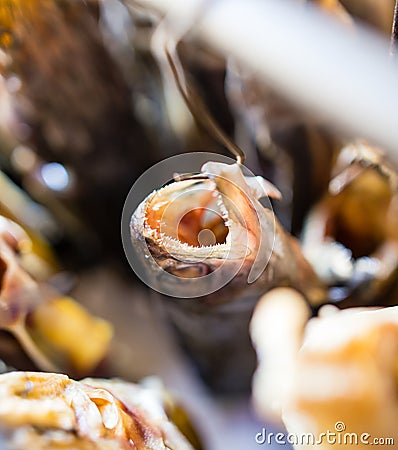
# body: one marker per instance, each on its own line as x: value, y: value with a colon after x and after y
x: 341, y: 74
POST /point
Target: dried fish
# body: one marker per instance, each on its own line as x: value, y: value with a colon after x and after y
x: 48, y: 411
x: 350, y: 235
x: 210, y: 237
x: 342, y: 377
x: 54, y: 330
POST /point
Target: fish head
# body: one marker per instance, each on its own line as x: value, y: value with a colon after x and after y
x: 202, y: 231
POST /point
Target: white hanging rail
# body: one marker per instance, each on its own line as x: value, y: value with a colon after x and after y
x: 341, y: 74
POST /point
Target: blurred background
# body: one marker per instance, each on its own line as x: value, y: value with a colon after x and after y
x: 85, y: 109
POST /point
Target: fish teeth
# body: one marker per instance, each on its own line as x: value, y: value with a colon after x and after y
x: 173, y: 243
x: 223, y: 209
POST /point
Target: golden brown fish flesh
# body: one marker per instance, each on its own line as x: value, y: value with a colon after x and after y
x: 51, y: 411
x: 54, y: 330
x: 333, y: 380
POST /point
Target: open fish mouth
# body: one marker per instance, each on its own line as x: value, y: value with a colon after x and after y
x: 189, y: 214
x: 190, y: 220
x: 216, y: 215
x: 205, y: 225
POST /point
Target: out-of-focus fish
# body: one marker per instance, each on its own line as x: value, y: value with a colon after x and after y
x: 53, y: 330
x: 209, y: 238
x: 51, y: 411
x: 335, y: 374
x: 350, y: 235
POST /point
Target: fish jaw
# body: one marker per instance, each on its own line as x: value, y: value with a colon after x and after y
x: 248, y: 236
x: 244, y: 193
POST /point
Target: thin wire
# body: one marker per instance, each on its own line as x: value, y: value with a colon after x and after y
x: 199, y: 110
